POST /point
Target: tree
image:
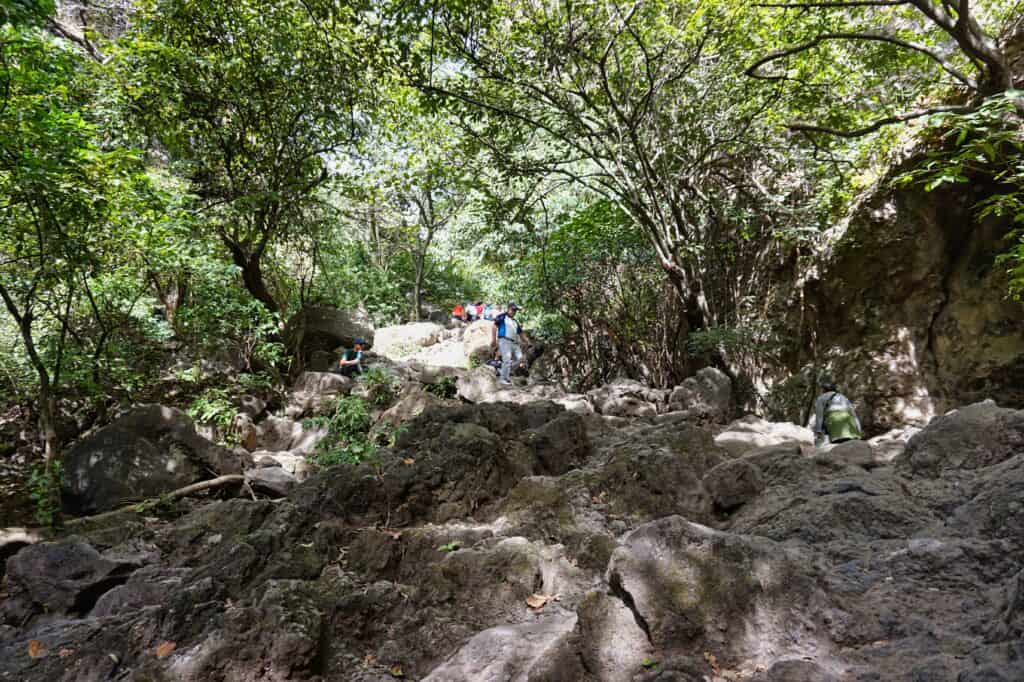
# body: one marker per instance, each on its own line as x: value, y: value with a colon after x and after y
x: 932, y: 42
x: 58, y: 195
x: 641, y: 103
x: 250, y: 100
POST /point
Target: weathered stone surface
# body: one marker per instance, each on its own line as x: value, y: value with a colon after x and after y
x: 856, y: 453
x: 64, y: 577
x: 627, y: 398
x: 251, y: 405
x: 322, y: 328
x: 732, y: 483
x: 273, y: 480
x: 696, y: 589
x: 706, y: 395
x: 971, y: 437
x: 481, y: 386
x: 403, y: 340
x: 915, y: 315
x: 313, y: 391
x: 149, y: 451
x: 424, y: 560
x: 542, y: 650
x: 278, y: 434
x: 750, y: 432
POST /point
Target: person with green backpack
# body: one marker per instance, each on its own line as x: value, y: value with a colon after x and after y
x: 835, y: 420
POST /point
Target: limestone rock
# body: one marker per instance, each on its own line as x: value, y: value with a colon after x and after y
x: 627, y: 398
x: 313, y: 391
x: 149, y: 451
x: 697, y: 589
x: 273, y: 480
x: 541, y: 650
x: 404, y: 340
x: 979, y: 435
x: 279, y: 433
x: 64, y: 577
x: 750, y: 432
x: 251, y: 405
x: 851, y: 453
x: 706, y: 395
x: 732, y: 483
x: 476, y: 341
x: 322, y: 328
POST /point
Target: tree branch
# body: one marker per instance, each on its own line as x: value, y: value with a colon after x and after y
x: 754, y: 70
x: 799, y: 127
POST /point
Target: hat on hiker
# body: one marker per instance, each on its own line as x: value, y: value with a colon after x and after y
x: 359, y: 341
x: 827, y: 382
x: 513, y: 306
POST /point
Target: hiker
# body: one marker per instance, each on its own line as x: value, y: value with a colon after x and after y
x: 835, y: 420
x: 489, y: 312
x: 495, y: 363
x: 459, y: 313
x: 505, y: 336
x: 470, y: 312
x: 350, y: 363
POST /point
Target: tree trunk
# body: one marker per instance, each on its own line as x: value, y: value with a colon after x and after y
x: 252, y: 275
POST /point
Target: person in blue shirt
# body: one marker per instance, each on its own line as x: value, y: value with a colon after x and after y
x: 505, y: 336
x: 350, y: 363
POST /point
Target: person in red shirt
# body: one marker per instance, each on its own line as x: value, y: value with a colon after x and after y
x: 459, y: 313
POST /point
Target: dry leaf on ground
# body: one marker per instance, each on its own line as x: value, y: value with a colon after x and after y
x: 36, y: 649
x: 165, y: 649
x: 539, y: 601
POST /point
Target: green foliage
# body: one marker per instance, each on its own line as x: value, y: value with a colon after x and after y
x: 381, y: 386
x: 449, y: 547
x: 984, y: 148
x: 44, y: 486
x: 445, y: 388
x: 215, y: 407
x: 347, y: 440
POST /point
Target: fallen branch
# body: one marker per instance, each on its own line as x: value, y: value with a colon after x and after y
x: 219, y: 482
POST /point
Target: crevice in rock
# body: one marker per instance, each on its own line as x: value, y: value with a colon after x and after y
x: 87, y: 598
x: 619, y: 591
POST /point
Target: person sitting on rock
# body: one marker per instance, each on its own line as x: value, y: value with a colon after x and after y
x: 835, y: 420
x: 350, y: 364
x: 459, y: 313
x: 470, y: 312
x: 505, y: 336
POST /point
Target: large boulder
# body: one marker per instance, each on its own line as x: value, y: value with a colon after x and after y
x: 149, y: 451
x: 313, y: 391
x: 976, y: 436
x: 476, y: 341
x: 404, y: 340
x: 63, y: 577
x: 693, y: 590
x: 280, y: 433
x: 707, y: 395
x: 481, y: 386
x: 750, y: 433
x: 540, y: 650
x: 627, y: 398
x: 323, y: 328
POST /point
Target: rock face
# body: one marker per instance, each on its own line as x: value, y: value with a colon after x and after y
x: 149, y: 451
x: 911, y: 312
x: 321, y: 328
x: 707, y: 395
x: 406, y: 339
x: 506, y: 541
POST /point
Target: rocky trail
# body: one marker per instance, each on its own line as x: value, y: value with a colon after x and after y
x: 529, y: 534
